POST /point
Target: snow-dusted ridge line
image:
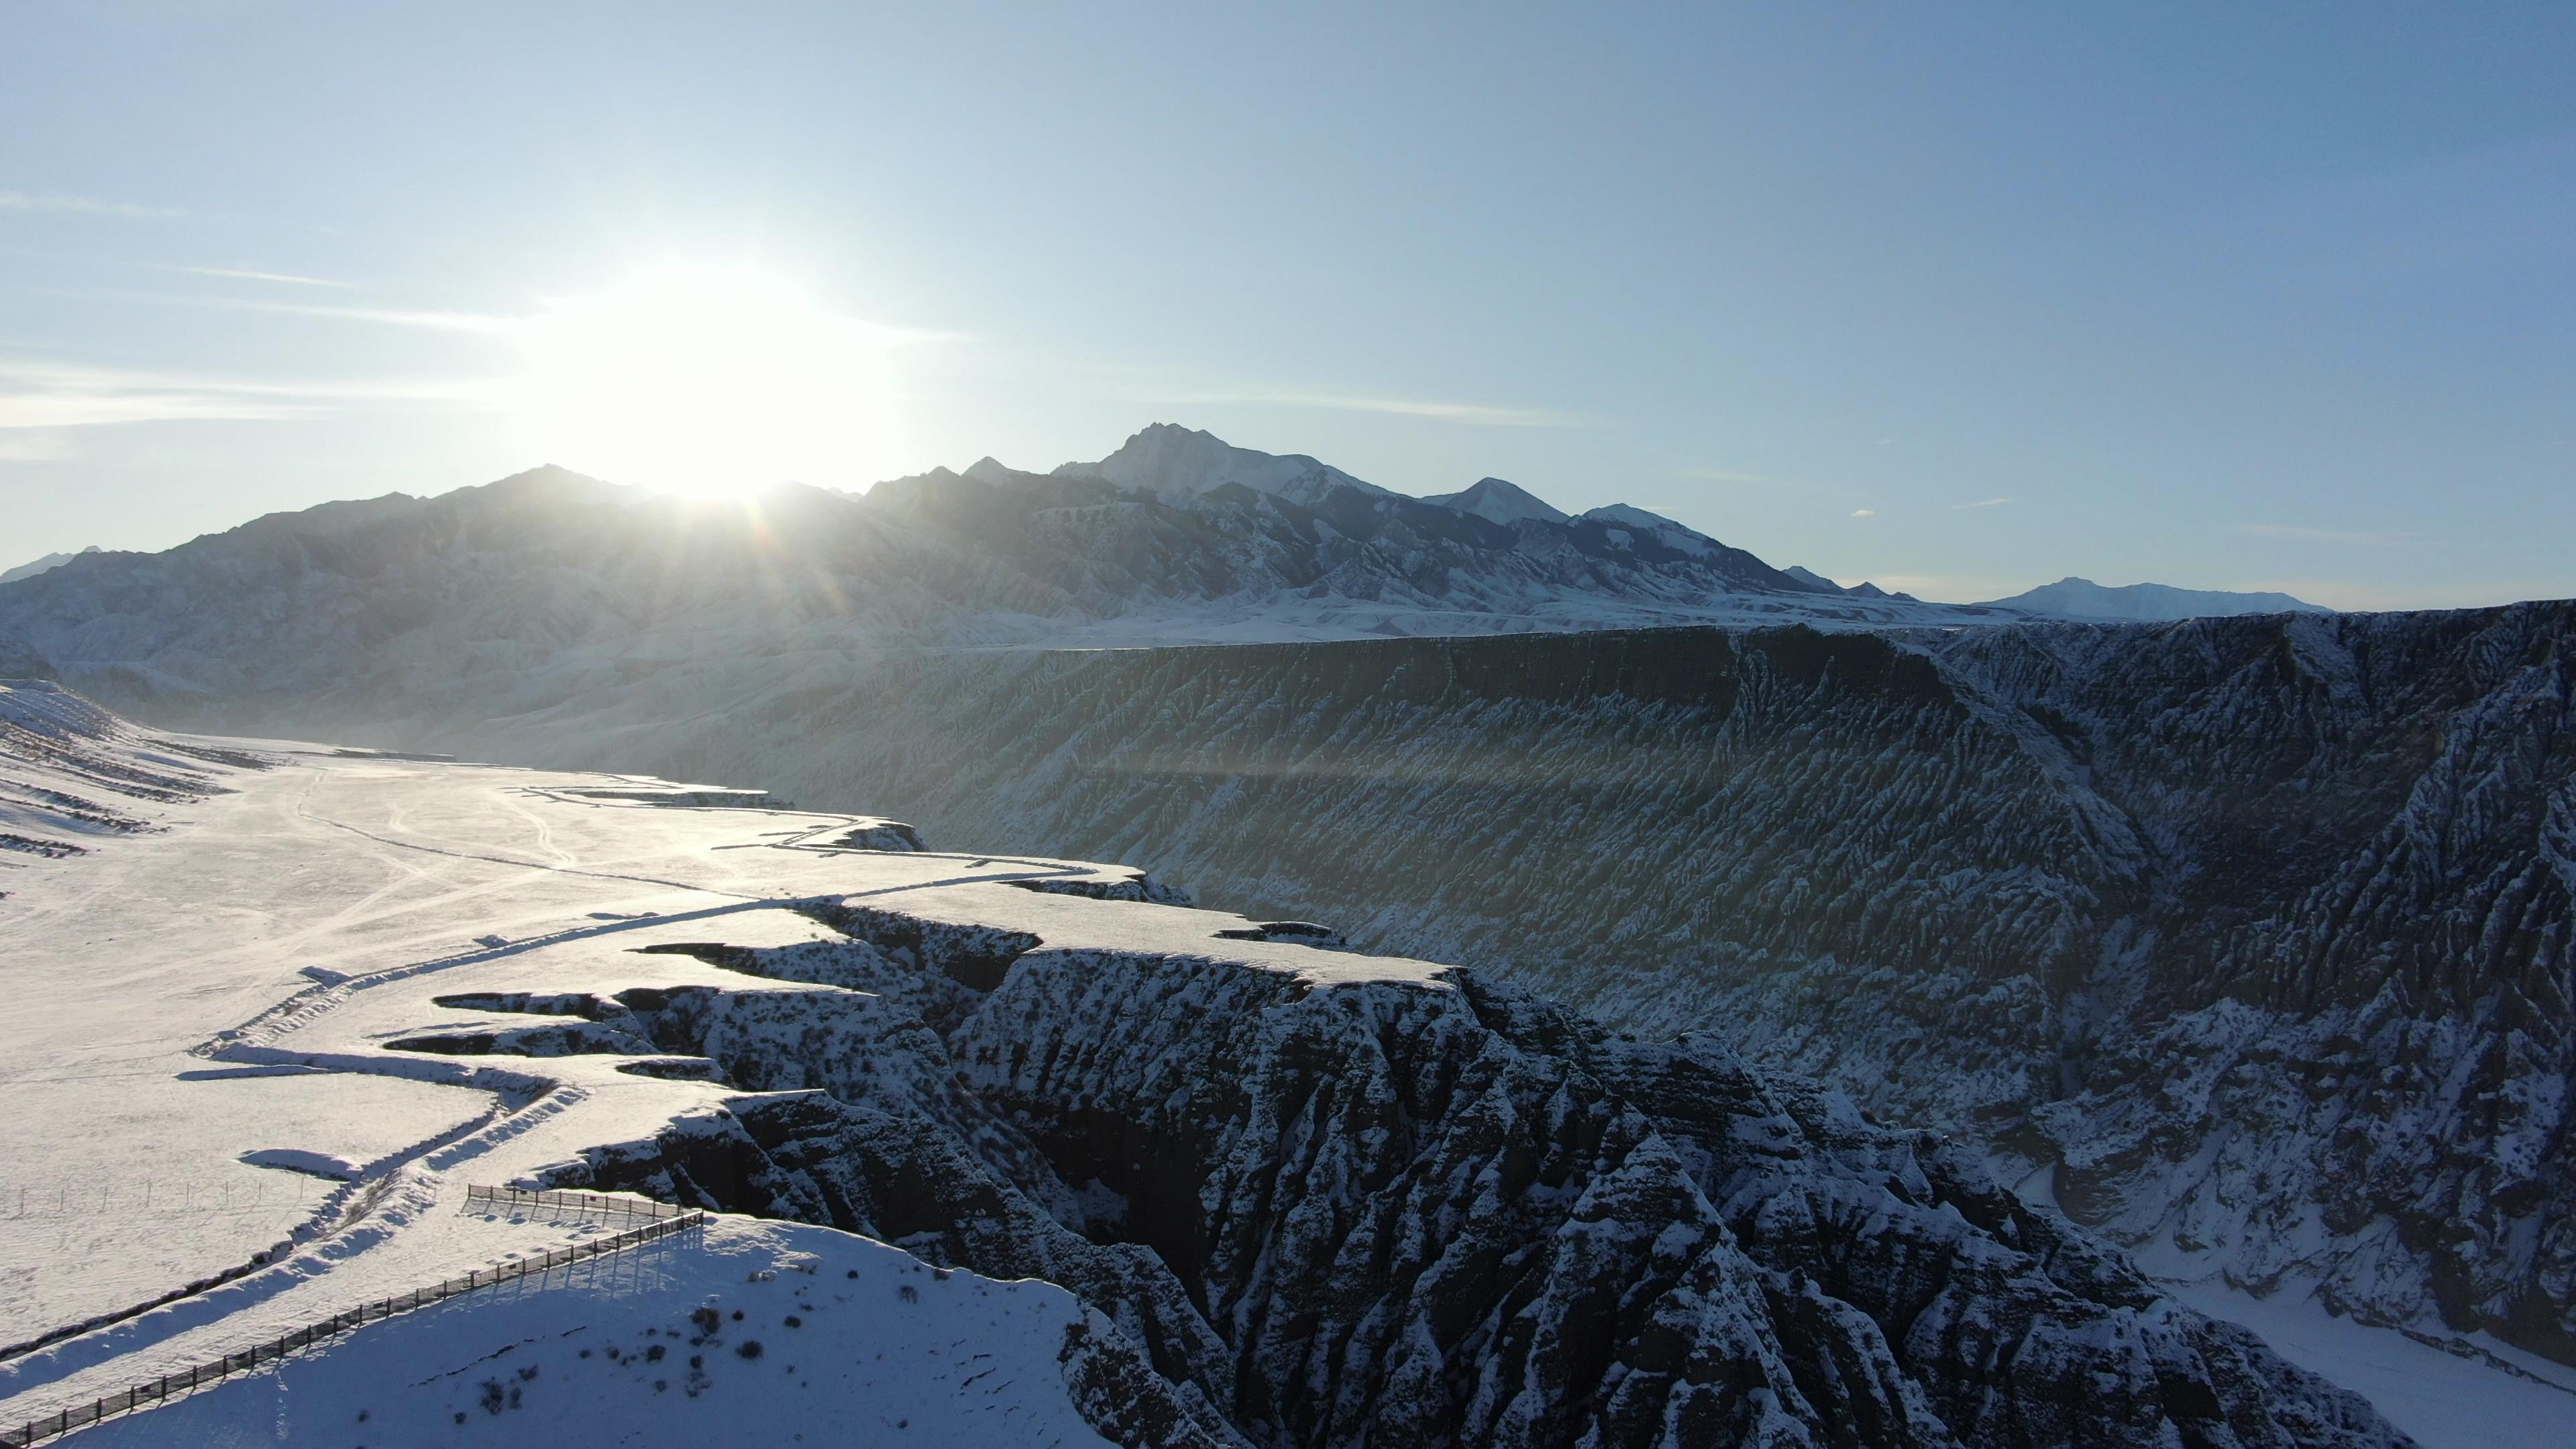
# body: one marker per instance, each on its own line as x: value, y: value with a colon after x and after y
x: 510, y: 599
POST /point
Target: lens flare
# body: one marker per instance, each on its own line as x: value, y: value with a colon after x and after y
x: 707, y: 382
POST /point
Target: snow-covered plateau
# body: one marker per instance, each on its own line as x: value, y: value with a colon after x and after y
x: 2243, y: 941
x: 999, y: 1149
x: 2247, y: 942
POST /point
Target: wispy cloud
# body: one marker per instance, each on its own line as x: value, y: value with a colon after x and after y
x: 2323, y: 535
x: 57, y: 204
x: 1474, y: 414
x: 488, y: 324
x: 1981, y: 503
x: 1864, y: 513
x: 427, y: 320
x: 243, y: 274
x: 430, y: 321
x: 43, y: 393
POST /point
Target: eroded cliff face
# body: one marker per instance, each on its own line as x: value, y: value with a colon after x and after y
x: 2249, y: 940
x: 1427, y: 1211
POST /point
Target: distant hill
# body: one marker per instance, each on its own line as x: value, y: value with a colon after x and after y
x: 49, y: 561
x: 1862, y: 590
x: 2074, y: 598
x: 1496, y: 501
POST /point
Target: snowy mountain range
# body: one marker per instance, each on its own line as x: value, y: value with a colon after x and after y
x: 1176, y: 537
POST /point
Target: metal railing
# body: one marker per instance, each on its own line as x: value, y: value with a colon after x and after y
x: 665, y: 1222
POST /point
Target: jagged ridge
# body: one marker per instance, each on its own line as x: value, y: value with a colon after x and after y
x: 1451, y: 1213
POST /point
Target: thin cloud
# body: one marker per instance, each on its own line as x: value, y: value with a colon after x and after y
x: 1473, y: 414
x: 2323, y: 535
x: 1864, y: 513
x: 41, y: 393
x: 241, y: 274
x: 53, y: 203
x: 473, y: 322
x: 1981, y: 503
x: 485, y: 324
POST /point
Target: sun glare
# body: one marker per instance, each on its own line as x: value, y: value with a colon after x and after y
x: 709, y: 383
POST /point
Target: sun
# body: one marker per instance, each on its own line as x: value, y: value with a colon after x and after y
x: 707, y: 382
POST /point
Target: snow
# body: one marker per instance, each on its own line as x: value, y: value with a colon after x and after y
x: 818, y: 1338
x: 2444, y: 1400
x: 1654, y: 525
x: 216, y: 1040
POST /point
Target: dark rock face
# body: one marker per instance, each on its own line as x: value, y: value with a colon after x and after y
x: 1385, y: 1212
x: 2249, y: 939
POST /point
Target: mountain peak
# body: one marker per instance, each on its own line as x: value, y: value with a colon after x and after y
x: 1664, y: 530
x: 1497, y: 501
x: 1179, y: 462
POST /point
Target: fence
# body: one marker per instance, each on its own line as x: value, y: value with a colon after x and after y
x: 496, y: 1199
x: 90, y: 1197
x: 54, y: 1426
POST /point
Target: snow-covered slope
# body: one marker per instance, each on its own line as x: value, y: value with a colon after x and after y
x: 2246, y: 938
x: 2074, y: 598
x: 1284, y: 1194
x: 71, y: 774
x: 818, y: 1338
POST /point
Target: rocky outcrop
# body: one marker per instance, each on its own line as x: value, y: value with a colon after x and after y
x: 71, y: 772
x: 1442, y: 1211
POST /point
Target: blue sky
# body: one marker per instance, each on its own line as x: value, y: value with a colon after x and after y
x: 1959, y: 298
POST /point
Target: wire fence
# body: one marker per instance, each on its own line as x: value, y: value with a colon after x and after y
x: 161, y: 1198
x: 503, y: 1199
x: 53, y: 1426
